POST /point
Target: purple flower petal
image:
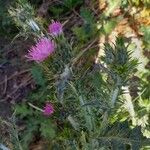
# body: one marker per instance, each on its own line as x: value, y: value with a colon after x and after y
x: 43, y: 48
x: 55, y: 28
x: 48, y: 109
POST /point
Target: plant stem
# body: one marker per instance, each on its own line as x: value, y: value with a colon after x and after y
x: 114, y: 96
x: 35, y: 107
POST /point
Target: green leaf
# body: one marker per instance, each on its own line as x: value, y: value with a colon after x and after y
x: 47, y: 129
x: 80, y: 34
x: 28, y: 135
x: 87, y: 15
x: 146, y: 37
x: 37, y: 74
x: 22, y: 110
x: 109, y: 26
x: 72, y: 3
x: 145, y: 103
x: 57, y: 11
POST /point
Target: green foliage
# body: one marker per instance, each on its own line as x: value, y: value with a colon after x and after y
x: 56, y: 11
x: 38, y: 76
x: 5, y: 20
x: 64, y: 7
x: 89, y: 26
x: 13, y: 132
x: 25, y: 18
x: 145, y: 86
x: 91, y: 110
x: 119, y: 136
x: 109, y: 26
x: 89, y: 29
x: 87, y: 15
x: 29, y: 133
x: 72, y: 3
x: 146, y: 37
x: 36, y: 123
x: 47, y: 130
x: 80, y: 34
x: 23, y: 110
x: 138, y: 3
x: 119, y: 61
x: 22, y: 12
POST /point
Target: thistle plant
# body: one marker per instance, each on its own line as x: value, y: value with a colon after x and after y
x: 83, y: 105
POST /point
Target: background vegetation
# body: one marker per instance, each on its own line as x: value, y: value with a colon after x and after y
x: 98, y: 82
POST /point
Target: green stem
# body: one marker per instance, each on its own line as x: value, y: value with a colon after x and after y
x: 114, y: 96
x: 35, y: 107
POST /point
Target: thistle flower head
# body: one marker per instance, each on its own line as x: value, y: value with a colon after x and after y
x: 43, y: 48
x: 55, y: 28
x: 48, y: 109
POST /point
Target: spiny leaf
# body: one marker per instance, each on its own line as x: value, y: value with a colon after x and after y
x: 38, y: 75
x: 47, y: 129
x: 87, y: 15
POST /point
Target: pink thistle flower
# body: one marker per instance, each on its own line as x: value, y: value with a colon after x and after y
x: 41, y: 50
x: 48, y: 109
x: 55, y: 28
